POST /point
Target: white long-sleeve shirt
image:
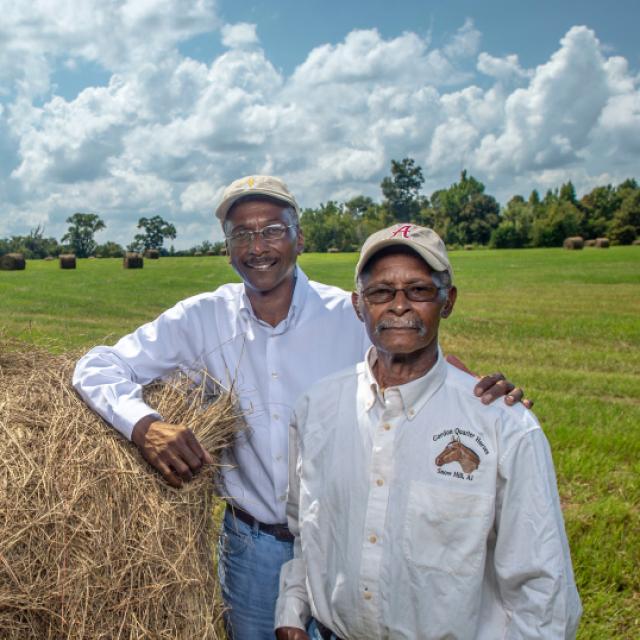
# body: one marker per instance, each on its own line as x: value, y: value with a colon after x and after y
x: 420, y: 513
x: 269, y: 368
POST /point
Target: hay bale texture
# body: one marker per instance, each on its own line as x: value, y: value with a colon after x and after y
x: 12, y: 262
x: 132, y: 260
x: 602, y: 243
x: 93, y: 543
x: 152, y: 254
x: 67, y: 261
x: 573, y: 242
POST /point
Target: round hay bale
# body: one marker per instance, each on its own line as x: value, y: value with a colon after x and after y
x: 602, y: 243
x: 152, y: 254
x: 198, y: 254
x: 93, y: 543
x: 211, y: 253
x: 468, y: 247
x: 333, y: 250
x: 67, y: 261
x: 636, y: 243
x: 590, y: 243
x: 573, y: 242
x: 132, y: 260
x: 12, y: 262
x: 48, y: 258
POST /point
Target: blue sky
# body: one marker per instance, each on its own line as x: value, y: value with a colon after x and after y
x: 132, y: 108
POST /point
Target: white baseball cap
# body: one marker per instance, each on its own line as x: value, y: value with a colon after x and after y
x: 255, y: 185
x: 424, y: 241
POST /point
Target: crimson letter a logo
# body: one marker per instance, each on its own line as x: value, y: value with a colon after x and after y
x: 404, y: 230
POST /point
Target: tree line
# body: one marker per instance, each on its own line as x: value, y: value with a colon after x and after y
x: 463, y: 214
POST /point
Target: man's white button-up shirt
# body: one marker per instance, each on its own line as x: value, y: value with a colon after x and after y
x: 269, y: 368
x: 420, y: 513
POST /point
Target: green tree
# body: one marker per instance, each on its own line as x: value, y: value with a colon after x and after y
x: 561, y: 219
x: 625, y: 226
x: 156, y: 229
x: 79, y: 236
x: 109, y: 250
x: 401, y: 190
x: 599, y: 207
x: 330, y: 226
x: 463, y: 213
x: 514, y: 230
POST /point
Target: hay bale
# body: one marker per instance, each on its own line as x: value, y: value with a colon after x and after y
x: 573, y: 242
x: 590, y: 243
x: 48, y: 258
x: 67, y: 261
x: 152, y: 254
x: 468, y: 247
x: 602, y: 243
x: 12, y: 262
x: 132, y: 260
x: 93, y: 543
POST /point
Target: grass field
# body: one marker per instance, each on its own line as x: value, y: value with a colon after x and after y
x: 564, y: 325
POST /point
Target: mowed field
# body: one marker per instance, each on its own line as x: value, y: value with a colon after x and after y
x: 564, y: 325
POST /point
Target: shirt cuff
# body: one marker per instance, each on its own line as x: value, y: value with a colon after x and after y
x: 128, y: 413
x: 292, y: 612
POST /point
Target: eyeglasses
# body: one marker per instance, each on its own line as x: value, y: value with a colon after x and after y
x: 270, y: 233
x: 381, y: 294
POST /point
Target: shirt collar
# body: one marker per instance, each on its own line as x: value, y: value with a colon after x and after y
x: 300, y: 289
x: 414, y: 394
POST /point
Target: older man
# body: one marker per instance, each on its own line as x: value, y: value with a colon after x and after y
x: 272, y: 337
x: 418, y: 512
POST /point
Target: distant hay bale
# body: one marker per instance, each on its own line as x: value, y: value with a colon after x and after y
x: 93, y: 543
x: 211, y: 253
x: 590, y: 243
x: 198, y: 254
x: 573, y: 242
x: 152, y: 254
x: 49, y: 258
x: 636, y: 242
x: 67, y: 261
x: 602, y: 243
x: 132, y: 260
x: 12, y: 262
x: 333, y: 250
x: 468, y: 247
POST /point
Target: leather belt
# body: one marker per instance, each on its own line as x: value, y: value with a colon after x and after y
x: 325, y: 632
x: 278, y: 531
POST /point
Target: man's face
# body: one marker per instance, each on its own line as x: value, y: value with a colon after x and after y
x: 263, y: 264
x: 401, y: 326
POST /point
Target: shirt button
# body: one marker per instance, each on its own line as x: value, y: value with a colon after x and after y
x: 379, y: 482
x: 274, y: 375
x: 386, y: 426
x: 411, y: 413
x: 368, y: 595
x: 373, y: 539
x: 276, y: 416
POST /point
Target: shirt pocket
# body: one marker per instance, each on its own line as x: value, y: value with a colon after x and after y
x: 447, y: 530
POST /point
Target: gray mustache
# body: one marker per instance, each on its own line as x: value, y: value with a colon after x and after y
x: 413, y: 323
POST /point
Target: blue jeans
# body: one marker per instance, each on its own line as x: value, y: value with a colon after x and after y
x: 249, y: 564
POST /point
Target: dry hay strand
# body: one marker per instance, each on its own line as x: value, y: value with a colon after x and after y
x: 12, y: 262
x: 573, y: 242
x: 132, y: 260
x: 67, y: 261
x: 602, y: 243
x: 93, y: 543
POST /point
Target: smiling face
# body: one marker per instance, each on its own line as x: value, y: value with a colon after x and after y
x: 263, y: 265
x: 401, y: 326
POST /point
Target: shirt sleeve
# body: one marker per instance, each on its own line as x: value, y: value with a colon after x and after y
x: 292, y: 607
x: 532, y: 560
x: 110, y: 379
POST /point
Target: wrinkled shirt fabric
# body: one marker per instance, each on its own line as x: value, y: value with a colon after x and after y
x: 267, y: 367
x: 391, y: 545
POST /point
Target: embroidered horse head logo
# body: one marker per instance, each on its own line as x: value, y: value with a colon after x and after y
x: 455, y: 451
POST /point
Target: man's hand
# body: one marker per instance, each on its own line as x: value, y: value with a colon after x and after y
x: 291, y: 633
x: 490, y: 388
x: 172, y: 449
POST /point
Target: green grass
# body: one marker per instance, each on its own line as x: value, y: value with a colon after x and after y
x: 565, y: 325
